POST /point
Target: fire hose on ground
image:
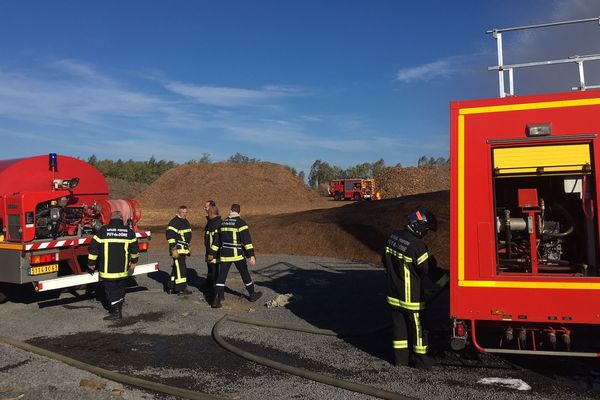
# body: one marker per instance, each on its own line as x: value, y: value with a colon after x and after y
x: 112, y: 375
x: 194, y: 395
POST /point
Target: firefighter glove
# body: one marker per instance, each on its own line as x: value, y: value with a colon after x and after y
x: 174, y: 253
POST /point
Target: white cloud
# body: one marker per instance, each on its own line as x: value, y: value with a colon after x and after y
x: 440, y: 68
x: 232, y: 97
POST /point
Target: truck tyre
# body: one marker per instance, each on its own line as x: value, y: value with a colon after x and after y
x: 357, y: 197
x: 3, y: 297
x: 336, y: 196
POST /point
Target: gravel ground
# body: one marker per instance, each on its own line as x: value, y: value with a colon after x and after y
x: 167, y: 338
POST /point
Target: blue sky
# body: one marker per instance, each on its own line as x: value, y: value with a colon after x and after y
x: 283, y: 81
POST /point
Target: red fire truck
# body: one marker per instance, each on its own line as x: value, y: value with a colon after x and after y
x: 525, y: 173
x: 50, y: 208
x: 353, y: 189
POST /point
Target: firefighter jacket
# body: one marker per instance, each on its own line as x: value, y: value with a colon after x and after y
x: 232, y: 241
x: 179, y: 235
x: 407, y: 262
x: 112, y: 249
x: 210, y: 231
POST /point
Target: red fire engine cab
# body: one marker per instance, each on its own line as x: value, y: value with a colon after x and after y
x: 50, y: 208
x: 525, y: 235
x: 353, y: 189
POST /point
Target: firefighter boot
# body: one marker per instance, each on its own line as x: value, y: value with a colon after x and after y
x: 254, y: 296
x: 216, y: 303
x: 422, y: 362
x: 115, y: 312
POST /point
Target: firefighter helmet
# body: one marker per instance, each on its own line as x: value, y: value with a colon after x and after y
x: 421, y: 220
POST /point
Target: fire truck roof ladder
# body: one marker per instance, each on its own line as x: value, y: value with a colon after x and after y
x: 501, y: 67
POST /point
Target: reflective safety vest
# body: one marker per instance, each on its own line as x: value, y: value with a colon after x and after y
x: 407, y: 261
x: 210, y: 231
x: 232, y: 241
x: 179, y: 235
x: 112, y: 249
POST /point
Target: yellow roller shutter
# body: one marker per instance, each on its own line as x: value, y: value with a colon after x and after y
x: 539, y: 159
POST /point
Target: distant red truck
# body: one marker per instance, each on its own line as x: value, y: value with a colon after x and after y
x: 353, y: 189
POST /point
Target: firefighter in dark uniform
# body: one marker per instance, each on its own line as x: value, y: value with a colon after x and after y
x: 179, y: 236
x: 114, y: 250
x: 408, y: 262
x: 233, y: 244
x: 210, y: 231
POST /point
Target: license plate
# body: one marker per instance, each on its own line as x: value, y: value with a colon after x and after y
x: 43, y: 269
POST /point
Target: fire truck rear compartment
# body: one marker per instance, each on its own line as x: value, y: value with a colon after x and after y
x: 545, y: 222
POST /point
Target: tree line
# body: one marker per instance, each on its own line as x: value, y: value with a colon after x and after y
x: 320, y: 171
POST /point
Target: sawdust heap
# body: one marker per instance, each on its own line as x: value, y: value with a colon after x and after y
x: 260, y: 188
x: 398, y: 181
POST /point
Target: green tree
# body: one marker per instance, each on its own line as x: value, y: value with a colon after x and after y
x: 238, y: 158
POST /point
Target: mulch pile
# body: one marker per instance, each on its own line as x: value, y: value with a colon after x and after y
x: 354, y: 231
x: 260, y: 188
x: 287, y: 217
x: 398, y: 181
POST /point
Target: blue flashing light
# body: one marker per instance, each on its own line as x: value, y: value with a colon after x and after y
x: 53, y: 161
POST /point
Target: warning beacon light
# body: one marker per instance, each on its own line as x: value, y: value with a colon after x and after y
x: 53, y: 162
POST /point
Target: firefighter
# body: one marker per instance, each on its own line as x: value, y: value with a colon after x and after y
x: 408, y: 262
x: 210, y: 231
x: 115, y: 249
x: 233, y: 244
x: 179, y: 236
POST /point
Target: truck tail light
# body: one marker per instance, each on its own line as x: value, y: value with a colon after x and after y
x: 43, y: 258
x: 460, y: 330
x: 144, y: 246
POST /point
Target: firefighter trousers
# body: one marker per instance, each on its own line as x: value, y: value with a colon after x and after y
x: 242, y: 268
x: 114, y: 289
x: 410, y: 338
x: 178, y: 281
x: 212, y: 275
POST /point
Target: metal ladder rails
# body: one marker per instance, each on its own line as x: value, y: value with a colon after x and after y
x: 502, y: 68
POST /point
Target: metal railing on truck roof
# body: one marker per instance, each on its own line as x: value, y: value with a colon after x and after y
x: 502, y: 68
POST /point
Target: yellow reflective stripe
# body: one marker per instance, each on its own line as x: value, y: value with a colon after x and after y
x: 404, y: 304
x: 92, y: 257
x: 135, y: 255
x: 185, y: 230
x: 179, y: 279
x: 235, y: 250
x: 420, y: 349
x: 183, y: 251
x: 105, y: 258
x: 243, y: 228
x: 412, y: 306
x: 424, y: 257
x: 400, y: 344
x: 419, y: 334
x: 214, y: 248
x: 113, y: 275
x: 97, y: 239
x: 180, y: 231
x: 230, y: 259
x: 172, y: 240
x: 248, y: 246
x: 398, y: 254
x: 406, y: 283
x: 229, y: 229
x: 393, y: 301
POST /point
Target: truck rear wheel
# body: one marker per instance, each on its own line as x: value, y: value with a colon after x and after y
x: 337, y: 196
x: 357, y: 196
